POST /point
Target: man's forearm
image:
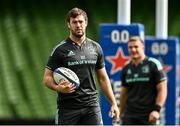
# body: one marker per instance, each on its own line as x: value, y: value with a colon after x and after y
x: 123, y: 98
x: 162, y: 93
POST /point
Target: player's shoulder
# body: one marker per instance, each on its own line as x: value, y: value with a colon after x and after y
x: 127, y: 65
x: 58, y: 46
x: 155, y: 62
x: 92, y: 42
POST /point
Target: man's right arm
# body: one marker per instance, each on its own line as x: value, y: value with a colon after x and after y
x: 48, y: 79
x: 63, y: 87
x: 123, y: 99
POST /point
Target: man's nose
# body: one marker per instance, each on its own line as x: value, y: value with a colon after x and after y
x: 78, y: 24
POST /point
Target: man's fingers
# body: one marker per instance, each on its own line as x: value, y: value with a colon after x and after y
x: 111, y: 114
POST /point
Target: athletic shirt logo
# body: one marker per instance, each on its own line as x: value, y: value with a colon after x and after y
x: 71, y: 53
x: 145, y: 69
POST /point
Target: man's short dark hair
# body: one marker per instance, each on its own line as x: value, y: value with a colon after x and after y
x: 74, y: 12
x: 135, y: 38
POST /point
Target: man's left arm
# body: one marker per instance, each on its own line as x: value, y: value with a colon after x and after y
x: 160, y: 100
x: 105, y: 86
x: 161, y: 93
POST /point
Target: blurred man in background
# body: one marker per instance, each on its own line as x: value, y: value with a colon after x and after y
x: 85, y: 57
x: 144, y: 87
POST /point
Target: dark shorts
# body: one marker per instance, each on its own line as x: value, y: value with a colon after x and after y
x: 135, y: 121
x: 83, y: 116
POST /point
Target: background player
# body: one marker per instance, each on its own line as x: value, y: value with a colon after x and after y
x: 144, y: 87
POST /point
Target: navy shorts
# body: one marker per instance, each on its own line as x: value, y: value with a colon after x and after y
x: 84, y: 116
x: 135, y: 121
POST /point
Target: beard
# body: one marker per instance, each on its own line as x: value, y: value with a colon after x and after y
x: 77, y: 35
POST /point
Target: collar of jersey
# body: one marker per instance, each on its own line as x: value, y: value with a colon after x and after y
x: 141, y: 61
x: 74, y: 43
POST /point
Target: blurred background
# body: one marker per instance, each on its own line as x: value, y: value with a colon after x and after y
x: 29, y: 29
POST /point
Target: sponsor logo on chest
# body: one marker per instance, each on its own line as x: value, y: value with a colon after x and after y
x: 138, y: 76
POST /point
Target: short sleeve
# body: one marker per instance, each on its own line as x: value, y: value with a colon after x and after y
x: 100, y: 60
x: 158, y: 73
x: 123, y: 76
x: 54, y: 60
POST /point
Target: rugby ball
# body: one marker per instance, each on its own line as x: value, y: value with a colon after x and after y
x: 63, y: 73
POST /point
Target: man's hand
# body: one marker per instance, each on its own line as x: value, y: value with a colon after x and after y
x: 65, y: 87
x: 154, y: 116
x: 114, y: 113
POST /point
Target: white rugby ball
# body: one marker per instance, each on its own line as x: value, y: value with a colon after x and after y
x: 63, y: 73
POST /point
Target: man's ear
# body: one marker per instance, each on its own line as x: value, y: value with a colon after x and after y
x: 68, y: 25
x: 86, y: 23
x: 144, y: 47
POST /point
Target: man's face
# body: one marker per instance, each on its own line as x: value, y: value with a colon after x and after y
x: 77, y: 26
x: 136, y: 49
